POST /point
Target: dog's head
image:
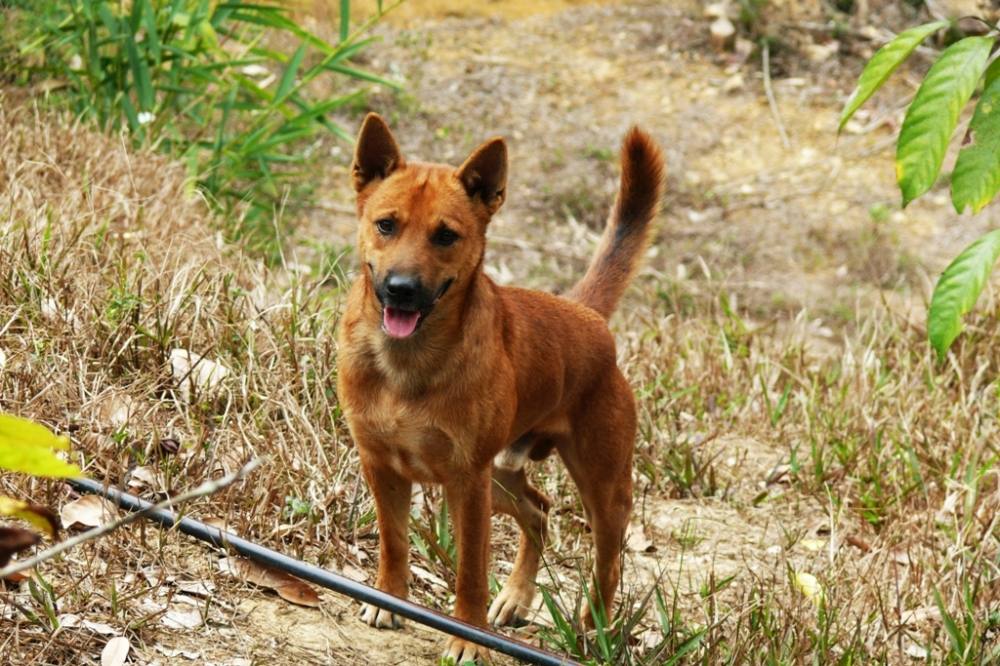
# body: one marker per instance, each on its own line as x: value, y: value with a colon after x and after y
x: 423, y: 226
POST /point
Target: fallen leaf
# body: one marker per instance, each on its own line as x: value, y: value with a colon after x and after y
x: 201, y: 588
x: 181, y: 616
x: 115, y: 652
x: 13, y: 540
x: 101, y: 628
x: 69, y: 620
x: 858, y: 542
x: 114, y: 408
x: 809, y: 586
x: 287, y: 586
x: 55, y: 313
x: 168, y: 446
x: 920, y: 614
x: 298, y: 592
x: 148, y: 476
x: 195, y: 373
x: 427, y: 576
x: 88, y: 511
x: 171, y: 653
x: 40, y: 516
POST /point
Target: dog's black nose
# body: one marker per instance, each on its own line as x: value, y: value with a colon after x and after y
x: 402, y: 287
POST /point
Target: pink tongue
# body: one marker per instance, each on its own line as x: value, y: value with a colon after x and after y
x: 399, y: 323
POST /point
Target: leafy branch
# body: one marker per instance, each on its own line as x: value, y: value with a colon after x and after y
x: 928, y: 129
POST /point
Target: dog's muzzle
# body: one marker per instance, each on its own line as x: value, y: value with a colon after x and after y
x: 406, y: 301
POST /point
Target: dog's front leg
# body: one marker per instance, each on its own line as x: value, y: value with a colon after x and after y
x: 469, y: 503
x: 392, y: 506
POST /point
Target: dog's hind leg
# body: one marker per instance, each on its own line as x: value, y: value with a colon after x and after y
x: 599, y: 458
x: 515, y: 496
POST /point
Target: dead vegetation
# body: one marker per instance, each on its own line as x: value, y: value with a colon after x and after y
x: 792, y: 419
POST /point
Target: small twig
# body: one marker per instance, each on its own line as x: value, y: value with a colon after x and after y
x: 765, y: 54
x: 207, y: 488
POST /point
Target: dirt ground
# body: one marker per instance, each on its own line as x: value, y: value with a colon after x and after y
x: 780, y: 226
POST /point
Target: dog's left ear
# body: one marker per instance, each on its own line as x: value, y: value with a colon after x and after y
x: 484, y: 174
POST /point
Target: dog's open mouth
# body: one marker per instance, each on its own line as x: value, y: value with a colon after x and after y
x: 400, y: 323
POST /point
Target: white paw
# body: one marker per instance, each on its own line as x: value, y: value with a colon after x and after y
x: 380, y: 618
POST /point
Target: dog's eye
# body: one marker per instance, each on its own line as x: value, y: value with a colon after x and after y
x: 444, y: 237
x: 385, y: 226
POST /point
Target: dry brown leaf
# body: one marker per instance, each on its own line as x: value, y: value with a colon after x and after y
x: 88, y: 511
x: 13, y: 540
x: 298, y: 592
x: 115, y: 652
x: 287, y: 586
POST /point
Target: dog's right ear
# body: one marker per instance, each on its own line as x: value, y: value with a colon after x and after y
x: 376, y: 154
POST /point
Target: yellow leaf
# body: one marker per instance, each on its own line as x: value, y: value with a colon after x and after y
x: 35, y: 514
x: 809, y: 586
x: 26, y: 446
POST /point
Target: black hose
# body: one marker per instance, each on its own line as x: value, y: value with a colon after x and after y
x: 327, y: 579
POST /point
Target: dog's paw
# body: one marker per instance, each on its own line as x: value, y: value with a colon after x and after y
x: 380, y: 618
x: 512, y: 606
x: 461, y: 652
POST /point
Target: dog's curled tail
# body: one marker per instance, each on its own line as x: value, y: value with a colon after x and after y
x: 627, y: 233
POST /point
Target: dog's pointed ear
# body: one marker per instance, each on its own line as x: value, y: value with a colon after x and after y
x: 484, y: 174
x: 376, y: 154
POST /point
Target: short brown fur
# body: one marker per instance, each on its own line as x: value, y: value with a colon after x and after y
x: 493, y: 376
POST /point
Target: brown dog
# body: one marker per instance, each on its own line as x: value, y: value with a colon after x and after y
x: 445, y: 377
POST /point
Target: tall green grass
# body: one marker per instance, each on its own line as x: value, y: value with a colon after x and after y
x: 235, y: 89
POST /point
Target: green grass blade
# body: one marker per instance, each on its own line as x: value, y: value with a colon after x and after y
x: 976, y: 178
x: 152, y: 34
x: 958, y: 289
x: 288, y: 78
x: 884, y: 63
x: 931, y: 119
x: 345, y: 19
x: 364, y: 76
x: 140, y: 73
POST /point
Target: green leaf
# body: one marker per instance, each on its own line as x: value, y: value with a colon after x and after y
x: 288, y: 78
x: 930, y: 121
x: 884, y: 63
x: 976, y: 178
x: 26, y: 446
x: 958, y: 289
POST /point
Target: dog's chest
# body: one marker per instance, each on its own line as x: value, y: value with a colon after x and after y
x: 406, y: 439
